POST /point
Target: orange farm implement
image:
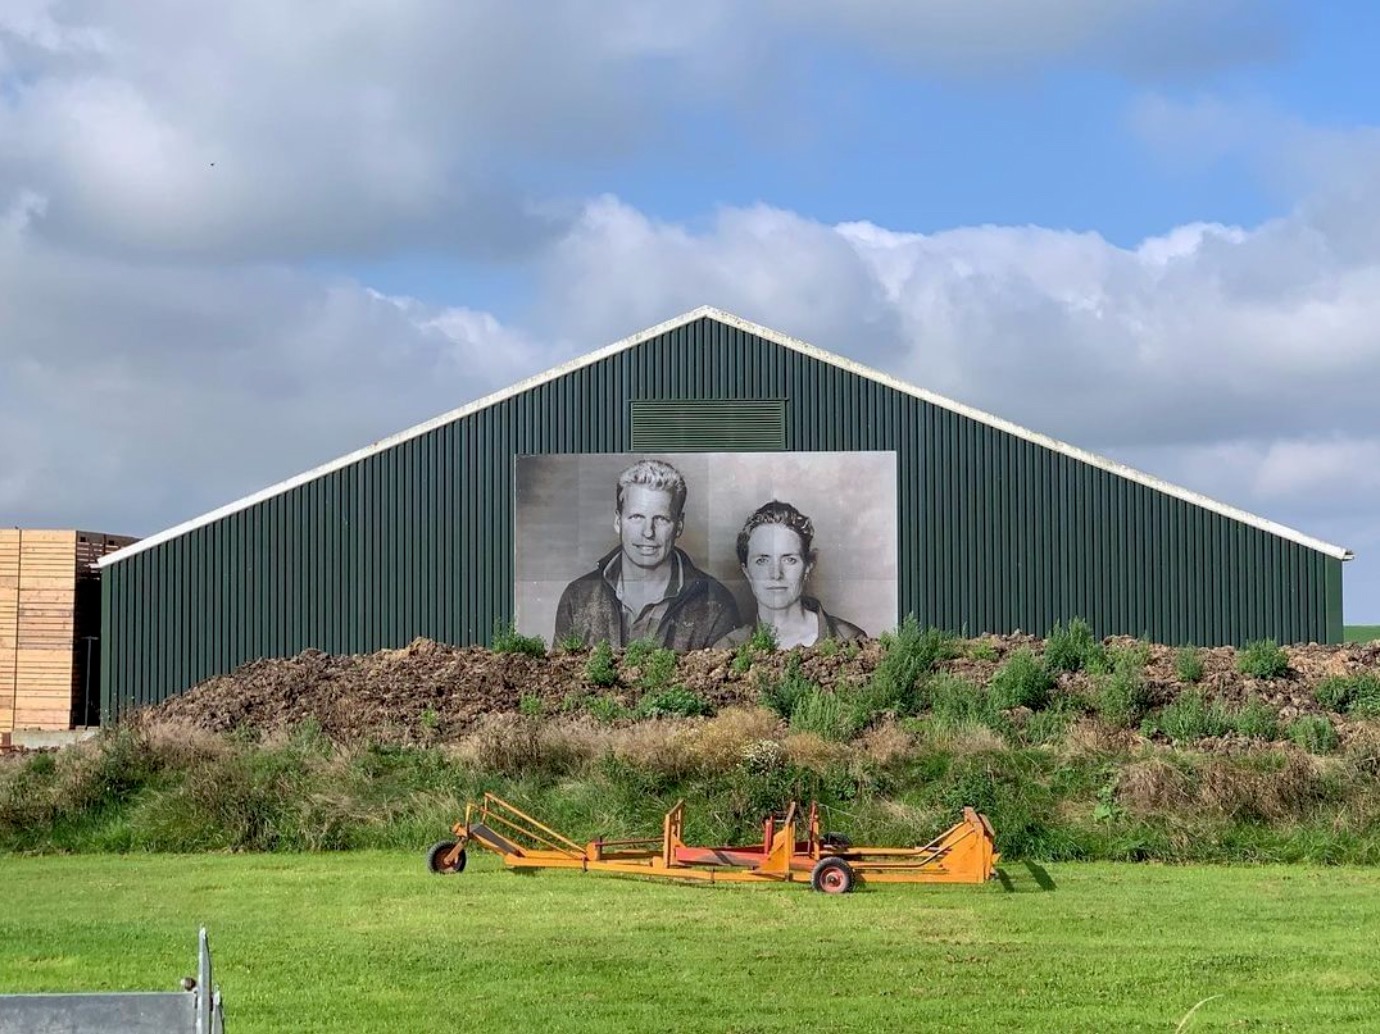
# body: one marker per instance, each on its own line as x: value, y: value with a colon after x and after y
x: 829, y: 862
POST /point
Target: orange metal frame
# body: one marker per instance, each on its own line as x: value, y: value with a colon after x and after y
x: 963, y: 853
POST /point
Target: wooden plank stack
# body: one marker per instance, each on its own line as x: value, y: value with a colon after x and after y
x: 39, y: 572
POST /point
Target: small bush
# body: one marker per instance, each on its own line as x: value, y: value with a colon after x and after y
x: 1021, y: 682
x: 673, y: 702
x: 909, y: 654
x: 658, y: 670
x: 783, y: 695
x: 760, y: 643
x: 1334, y: 693
x: 529, y: 704
x: 1365, y: 697
x: 507, y: 639
x: 606, y: 709
x: 1188, y: 665
x: 600, y: 669
x: 636, y: 653
x: 742, y: 660
x: 1122, y: 698
x: 763, y: 639
x: 1263, y: 659
x: 1350, y: 694
x: 1193, y: 717
x: 828, y: 647
x: 1072, y: 648
x: 1256, y: 720
x: 1313, y: 733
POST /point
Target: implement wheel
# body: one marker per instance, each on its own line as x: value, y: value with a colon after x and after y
x: 436, y: 858
x: 832, y: 876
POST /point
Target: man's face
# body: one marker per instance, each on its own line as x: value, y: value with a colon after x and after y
x: 648, y: 526
x: 776, y: 569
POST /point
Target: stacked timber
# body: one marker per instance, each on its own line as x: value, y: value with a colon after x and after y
x: 40, y: 611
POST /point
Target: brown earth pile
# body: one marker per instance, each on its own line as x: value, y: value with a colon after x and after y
x: 430, y: 691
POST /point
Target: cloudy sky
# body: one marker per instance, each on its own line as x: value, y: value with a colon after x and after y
x: 239, y: 240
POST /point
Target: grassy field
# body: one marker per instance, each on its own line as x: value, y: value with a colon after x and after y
x: 368, y: 941
x: 1361, y: 633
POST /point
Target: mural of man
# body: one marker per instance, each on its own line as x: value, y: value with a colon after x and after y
x: 647, y: 588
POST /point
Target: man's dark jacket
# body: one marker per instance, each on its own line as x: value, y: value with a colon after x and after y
x: 697, y: 616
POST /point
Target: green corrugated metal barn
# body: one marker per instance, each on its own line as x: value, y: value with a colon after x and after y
x: 999, y: 528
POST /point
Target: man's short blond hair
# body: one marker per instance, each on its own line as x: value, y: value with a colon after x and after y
x: 654, y: 474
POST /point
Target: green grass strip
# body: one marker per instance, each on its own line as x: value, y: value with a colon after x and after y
x: 369, y: 942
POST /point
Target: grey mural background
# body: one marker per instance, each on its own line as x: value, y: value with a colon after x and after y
x: 565, y: 508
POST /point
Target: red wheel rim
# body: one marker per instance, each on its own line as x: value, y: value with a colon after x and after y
x: 833, y: 881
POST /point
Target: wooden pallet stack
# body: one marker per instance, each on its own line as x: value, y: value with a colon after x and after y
x: 39, y: 574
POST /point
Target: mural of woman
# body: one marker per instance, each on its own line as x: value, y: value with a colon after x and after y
x: 776, y: 554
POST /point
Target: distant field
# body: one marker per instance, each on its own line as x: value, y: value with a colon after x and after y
x: 369, y: 942
x: 1361, y: 633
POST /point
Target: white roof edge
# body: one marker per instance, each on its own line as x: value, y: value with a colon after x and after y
x: 786, y: 341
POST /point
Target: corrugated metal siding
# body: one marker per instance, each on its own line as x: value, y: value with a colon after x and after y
x: 996, y: 532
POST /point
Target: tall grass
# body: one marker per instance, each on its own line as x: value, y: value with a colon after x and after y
x: 1057, y: 784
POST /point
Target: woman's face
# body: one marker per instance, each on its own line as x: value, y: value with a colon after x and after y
x: 775, y: 569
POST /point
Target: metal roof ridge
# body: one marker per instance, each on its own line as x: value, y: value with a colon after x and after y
x: 1044, y: 440
x: 766, y: 333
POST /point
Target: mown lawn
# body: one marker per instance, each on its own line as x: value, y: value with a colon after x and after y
x: 369, y: 941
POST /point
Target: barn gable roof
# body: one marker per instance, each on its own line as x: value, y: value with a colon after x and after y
x: 767, y: 334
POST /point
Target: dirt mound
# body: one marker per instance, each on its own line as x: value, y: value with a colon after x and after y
x: 428, y: 691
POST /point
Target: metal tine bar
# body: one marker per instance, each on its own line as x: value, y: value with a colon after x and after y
x: 501, y: 820
x: 528, y: 818
x: 933, y: 845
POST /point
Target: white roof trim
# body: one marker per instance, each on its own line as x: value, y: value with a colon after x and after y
x: 768, y: 334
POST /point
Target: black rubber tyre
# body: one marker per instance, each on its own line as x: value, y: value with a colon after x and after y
x: 838, y: 841
x: 832, y: 876
x: 435, y: 858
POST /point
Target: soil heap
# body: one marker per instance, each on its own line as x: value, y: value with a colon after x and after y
x: 429, y: 690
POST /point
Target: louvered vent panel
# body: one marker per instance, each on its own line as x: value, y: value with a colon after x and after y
x: 714, y: 425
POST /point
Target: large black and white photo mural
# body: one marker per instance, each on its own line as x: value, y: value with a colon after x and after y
x: 694, y: 550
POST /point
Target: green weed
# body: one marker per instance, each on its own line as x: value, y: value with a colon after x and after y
x: 826, y: 713
x: 1021, y: 682
x: 1256, y: 720
x: 908, y: 655
x: 658, y: 670
x: 507, y: 639
x: 1313, y: 733
x: 1188, y: 664
x: 1122, y: 696
x: 783, y: 694
x: 571, y: 642
x: 1264, y: 659
x: 1350, y: 694
x: 606, y: 709
x: 1193, y: 717
x: 673, y: 702
x: 637, y: 653
x: 1072, y: 648
x: 982, y: 650
x: 600, y: 668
